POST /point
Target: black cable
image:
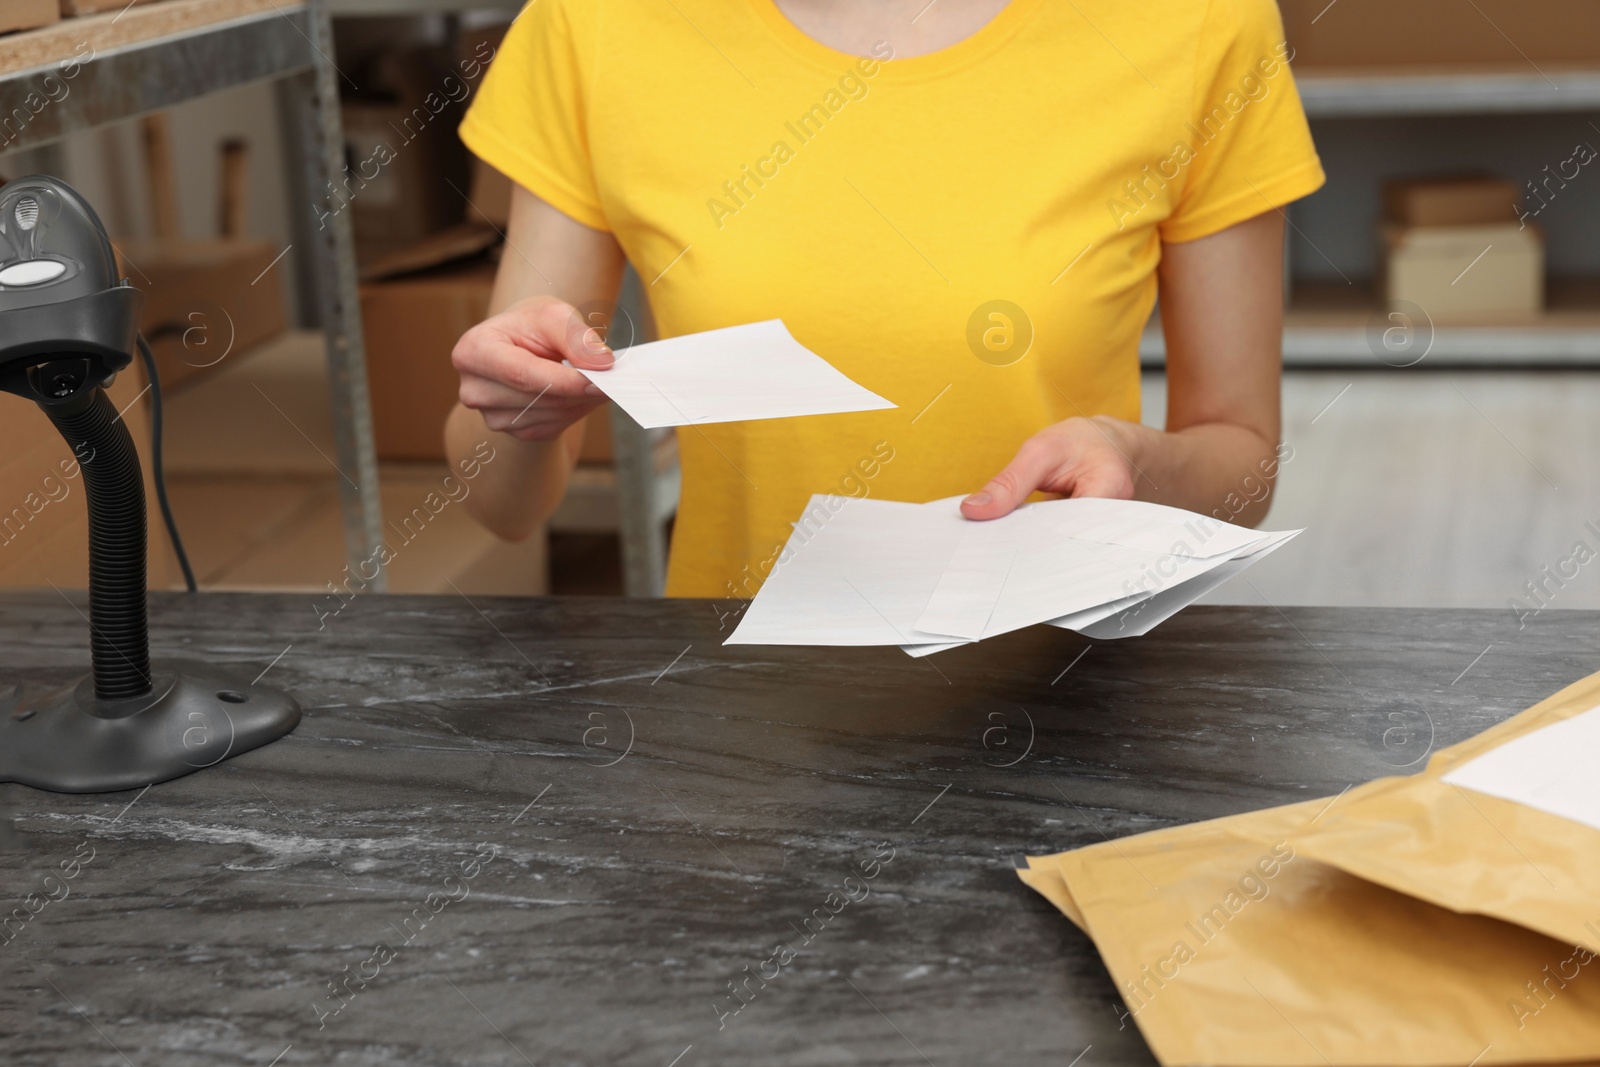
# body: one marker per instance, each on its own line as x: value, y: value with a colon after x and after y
x: 158, y: 466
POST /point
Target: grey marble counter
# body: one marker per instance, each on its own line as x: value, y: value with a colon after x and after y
x: 553, y: 832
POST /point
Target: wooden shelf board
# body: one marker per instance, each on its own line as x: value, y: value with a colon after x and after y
x: 111, y: 30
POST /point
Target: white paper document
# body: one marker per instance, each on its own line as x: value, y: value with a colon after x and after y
x: 1553, y: 769
x: 924, y: 577
x: 1143, y: 612
x: 735, y: 374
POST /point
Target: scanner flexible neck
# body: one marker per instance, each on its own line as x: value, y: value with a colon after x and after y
x: 119, y: 640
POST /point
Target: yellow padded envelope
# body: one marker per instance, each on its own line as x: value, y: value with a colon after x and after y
x: 1473, y: 852
x: 1230, y: 947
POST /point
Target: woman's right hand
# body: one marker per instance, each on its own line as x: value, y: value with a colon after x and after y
x: 512, y: 374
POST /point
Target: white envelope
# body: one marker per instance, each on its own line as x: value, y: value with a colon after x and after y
x: 854, y: 572
x: 922, y: 576
x: 1058, y: 557
x: 1149, y: 611
x: 736, y: 374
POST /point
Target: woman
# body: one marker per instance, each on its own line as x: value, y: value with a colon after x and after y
x: 967, y: 206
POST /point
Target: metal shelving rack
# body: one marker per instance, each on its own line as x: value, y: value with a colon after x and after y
x: 402, y: 8
x: 146, y: 58
x: 1323, y: 336
x: 1333, y: 95
x: 636, y: 496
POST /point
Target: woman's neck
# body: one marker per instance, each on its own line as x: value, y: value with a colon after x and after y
x: 909, y: 27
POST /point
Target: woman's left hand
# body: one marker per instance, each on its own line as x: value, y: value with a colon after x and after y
x: 1078, y: 457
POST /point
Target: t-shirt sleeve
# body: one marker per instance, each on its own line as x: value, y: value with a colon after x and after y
x: 529, y: 117
x: 1251, y: 145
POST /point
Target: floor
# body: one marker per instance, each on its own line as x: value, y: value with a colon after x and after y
x: 256, y: 492
x: 1431, y: 488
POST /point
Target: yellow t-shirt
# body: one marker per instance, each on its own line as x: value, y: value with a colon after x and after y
x: 972, y: 234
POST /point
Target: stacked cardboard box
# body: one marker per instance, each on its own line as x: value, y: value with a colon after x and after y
x: 204, y: 300
x: 1455, y: 248
x: 405, y: 167
x: 411, y: 319
x: 29, y: 14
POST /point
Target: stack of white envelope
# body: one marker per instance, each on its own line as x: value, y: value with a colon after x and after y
x: 924, y: 577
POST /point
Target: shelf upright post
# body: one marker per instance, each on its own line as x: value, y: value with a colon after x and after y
x: 312, y: 97
x: 639, y: 492
x: 644, y: 550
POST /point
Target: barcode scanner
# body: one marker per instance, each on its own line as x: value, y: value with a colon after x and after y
x: 68, y: 325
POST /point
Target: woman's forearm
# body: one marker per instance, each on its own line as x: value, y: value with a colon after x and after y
x: 1217, y: 469
x: 519, y: 483
x: 512, y: 372
x: 1222, y: 313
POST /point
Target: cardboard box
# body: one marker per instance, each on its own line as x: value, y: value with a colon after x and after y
x: 597, y: 449
x: 1455, y: 200
x: 395, y: 189
x: 411, y: 324
x: 29, y: 14
x: 489, y: 200
x: 1466, y: 273
x: 205, y: 301
x: 73, y: 8
x: 1410, y: 33
x: 44, y: 519
x: 466, y: 240
x: 405, y: 166
x: 489, y: 196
